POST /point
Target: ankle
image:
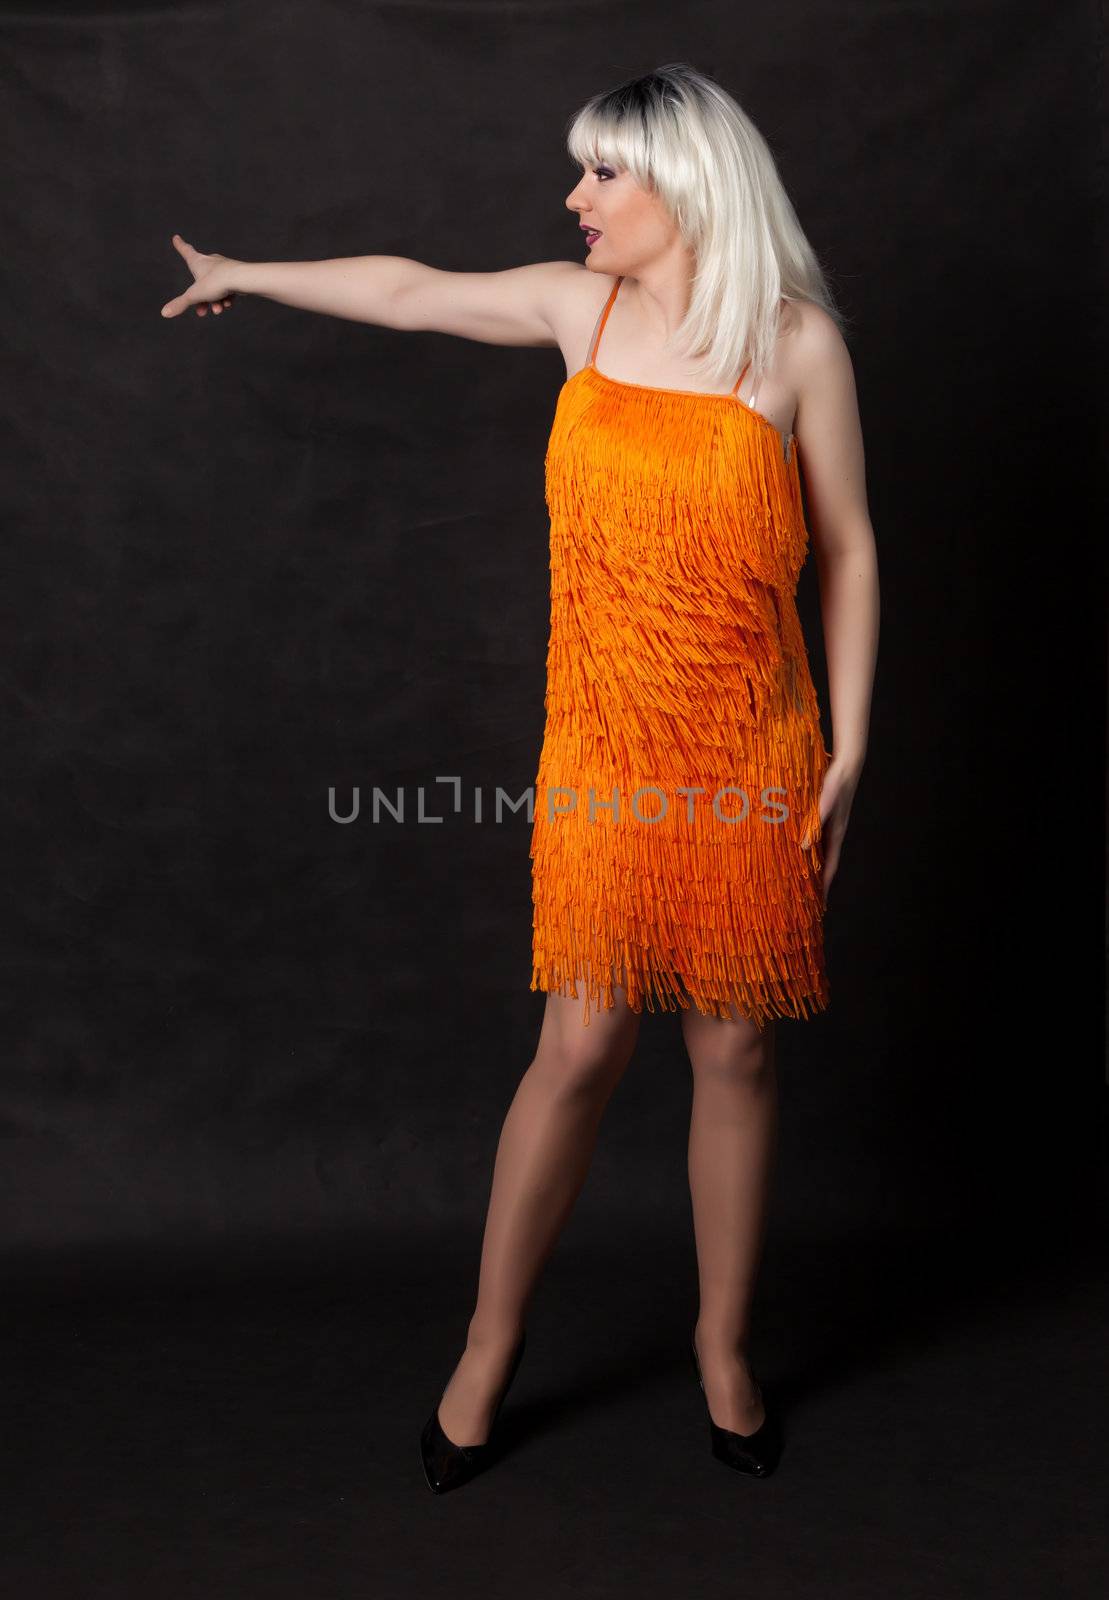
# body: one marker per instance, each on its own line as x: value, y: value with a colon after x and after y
x: 713, y: 1344
x: 493, y: 1338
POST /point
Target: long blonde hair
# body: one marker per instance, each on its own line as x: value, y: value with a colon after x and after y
x: 684, y: 138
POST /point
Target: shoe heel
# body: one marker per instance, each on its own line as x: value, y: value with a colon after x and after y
x: 448, y: 1465
x: 753, y: 1453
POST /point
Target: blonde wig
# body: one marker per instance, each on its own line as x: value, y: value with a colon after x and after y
x: 683, y: 138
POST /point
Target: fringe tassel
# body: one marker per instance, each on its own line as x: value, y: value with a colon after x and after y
x: 676, y: 660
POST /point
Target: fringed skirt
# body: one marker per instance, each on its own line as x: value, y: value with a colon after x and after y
x: 685, y: 881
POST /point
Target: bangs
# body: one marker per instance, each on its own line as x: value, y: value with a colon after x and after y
x: 610, y: 132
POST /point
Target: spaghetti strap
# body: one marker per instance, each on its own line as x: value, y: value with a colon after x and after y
x: 599, y: 327
x: 749, y: 403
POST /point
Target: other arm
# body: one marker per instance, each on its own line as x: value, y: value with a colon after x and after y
x: 829, y: 436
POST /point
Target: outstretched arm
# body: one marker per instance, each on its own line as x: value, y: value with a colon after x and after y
x: 519, y: 306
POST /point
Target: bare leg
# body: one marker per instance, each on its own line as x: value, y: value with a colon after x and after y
x: 543, y: 1157
x: 732, y: 1145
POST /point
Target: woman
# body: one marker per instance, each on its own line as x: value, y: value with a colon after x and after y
x: 688, y: 819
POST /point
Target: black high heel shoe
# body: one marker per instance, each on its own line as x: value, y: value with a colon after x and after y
x: 448, y: 1465
x: 754, y: 1453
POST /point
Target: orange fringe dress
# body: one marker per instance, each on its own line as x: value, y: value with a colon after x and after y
x: 676, y: 843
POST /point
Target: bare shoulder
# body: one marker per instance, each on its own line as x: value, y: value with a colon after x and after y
x: 816, y: 349
x: 577, y: 299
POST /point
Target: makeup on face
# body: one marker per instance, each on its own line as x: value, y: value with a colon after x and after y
x: 604, y: 174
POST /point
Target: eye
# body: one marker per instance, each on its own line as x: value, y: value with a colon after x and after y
x: 604, y: 172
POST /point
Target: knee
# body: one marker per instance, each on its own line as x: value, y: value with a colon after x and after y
x: 742, y: 1061
x: 581, y: 1068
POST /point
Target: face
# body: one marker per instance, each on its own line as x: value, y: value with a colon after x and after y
x: 633, y: 228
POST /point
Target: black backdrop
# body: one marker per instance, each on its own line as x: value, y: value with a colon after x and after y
x: 250, y: 558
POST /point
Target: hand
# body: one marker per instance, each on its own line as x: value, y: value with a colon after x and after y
x: 211, y: 285
x: 837, y: 795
